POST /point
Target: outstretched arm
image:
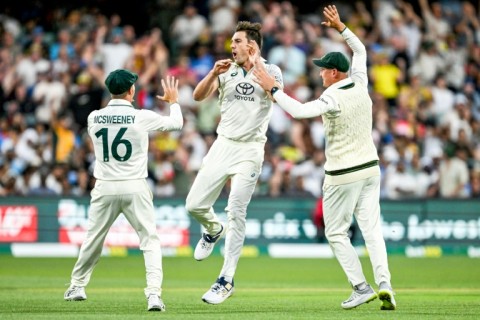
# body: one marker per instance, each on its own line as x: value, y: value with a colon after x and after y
x: 333, y: 18
x: 359, y: 59
x: 170, y: 88
x: 295, y: 108
x: 170, y: 95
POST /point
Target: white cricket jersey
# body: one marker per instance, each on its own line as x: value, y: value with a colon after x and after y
x: 120, y: 138
x: 244, y: 105
x: 346, y: 110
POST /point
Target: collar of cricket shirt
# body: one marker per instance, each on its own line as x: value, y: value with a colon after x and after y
x: 236, y: 65
x: 342, y: 83
x: 119, y: 103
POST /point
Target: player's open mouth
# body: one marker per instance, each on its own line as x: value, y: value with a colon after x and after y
x: 234, y: 54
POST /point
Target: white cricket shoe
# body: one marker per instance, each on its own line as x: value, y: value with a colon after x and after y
x: 219, y: 291
x: 155, y: 303
x: 359, y: 297
x: 205, y: 245
x: 386, y: 295
x: 75, y: 293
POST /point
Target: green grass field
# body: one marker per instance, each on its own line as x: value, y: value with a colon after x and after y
x: 266, y: 288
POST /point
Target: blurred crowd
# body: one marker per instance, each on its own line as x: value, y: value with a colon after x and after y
x: 424, y: 71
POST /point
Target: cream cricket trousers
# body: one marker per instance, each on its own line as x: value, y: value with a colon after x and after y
x: 133, y: 198
x: 361, y: 199
x: 241, y: 162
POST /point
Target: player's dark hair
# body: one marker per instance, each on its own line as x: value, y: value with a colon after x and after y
x: 252, y: 29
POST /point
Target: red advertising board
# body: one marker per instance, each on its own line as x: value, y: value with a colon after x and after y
x: 73, y: 223
x: 18, y: 224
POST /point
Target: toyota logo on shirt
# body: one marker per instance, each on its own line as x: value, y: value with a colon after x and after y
x: 244, y: 88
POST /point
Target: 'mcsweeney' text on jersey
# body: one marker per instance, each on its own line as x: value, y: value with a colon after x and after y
x: 120, y: 136
x: 114, y: 119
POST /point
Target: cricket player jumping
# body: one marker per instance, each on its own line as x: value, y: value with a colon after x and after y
x: 236, y: 155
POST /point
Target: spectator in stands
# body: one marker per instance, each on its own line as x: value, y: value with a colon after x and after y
x: 401, y: 184
x: 63, y: 43
x: 429, y: 63
x: 437, y: 26
x: 114, y: 54
x: 442, y: 43
x: 87, y: 97
x: 312, y: 173
x: 474, y: 187
x: 385, y: 77
x: 49, y: 93
x: 28, y: 147
x: 223, y: 15
x: 454, y: 177
x: 203, y: 60
x: 42, y: 189
x: 288, y: 57
x: 186, y: 29
x: 64, y: 137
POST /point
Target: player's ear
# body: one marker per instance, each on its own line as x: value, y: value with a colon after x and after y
x: 250, y: 46
x: 253, y: 45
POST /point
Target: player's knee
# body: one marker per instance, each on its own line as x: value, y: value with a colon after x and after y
x: 335, y: 237
x: 372, y: 238
x: 191, y: 205
x: 237, y: 209
x: 236, y: 222
x: 152, y: 242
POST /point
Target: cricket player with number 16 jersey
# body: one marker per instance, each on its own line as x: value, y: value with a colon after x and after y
x: 119, y: 133
x: 236, y: 155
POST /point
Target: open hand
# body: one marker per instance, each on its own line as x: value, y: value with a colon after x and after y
x: 262, y: 77
x: 170, y: 89
x: 333, y: 18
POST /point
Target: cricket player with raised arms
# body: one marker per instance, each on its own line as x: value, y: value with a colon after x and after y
x: 352, y: 172
x: 236, y: 155
x: 120, y: 136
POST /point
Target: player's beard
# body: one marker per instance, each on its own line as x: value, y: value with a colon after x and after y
x: 240, y: 59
